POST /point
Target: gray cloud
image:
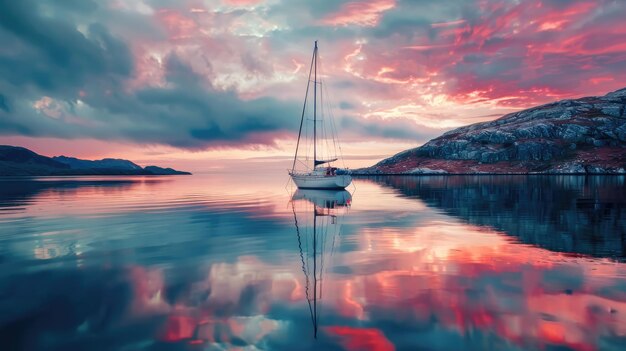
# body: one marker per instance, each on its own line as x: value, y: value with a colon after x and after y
x: 82, y: 67
x: 52, y: 58
x: 396, y: 128
x: 185, y: 113
x: 83, y: 56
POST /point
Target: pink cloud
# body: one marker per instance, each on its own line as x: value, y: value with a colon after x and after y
x: 359, y: 13
x: 177, y: 25
x: 242, y: 2
x: 441, y: 68
x: 448, y: 24
x: 513, y: 55
x: 427, y: 47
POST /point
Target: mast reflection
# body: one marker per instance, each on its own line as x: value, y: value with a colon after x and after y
x: 317, y: 216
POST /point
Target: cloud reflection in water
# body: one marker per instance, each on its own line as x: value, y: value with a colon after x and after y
x: 420, y: 263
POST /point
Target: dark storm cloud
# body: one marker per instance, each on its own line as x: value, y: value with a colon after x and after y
x: 52, y: 56
x: 189, y: 74
x: 185, y: 113
x: 49, y: 57
x: 210, y: 115
x: 68, y: 70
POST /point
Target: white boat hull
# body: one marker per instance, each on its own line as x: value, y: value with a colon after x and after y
x: 314, y: 181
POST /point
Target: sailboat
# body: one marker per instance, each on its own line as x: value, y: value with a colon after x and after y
x: 318, y: 225
x: 316, y: 171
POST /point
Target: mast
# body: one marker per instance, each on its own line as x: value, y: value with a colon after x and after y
x: 306, y: 94
x: 315, y: 108
x: 314, y: 271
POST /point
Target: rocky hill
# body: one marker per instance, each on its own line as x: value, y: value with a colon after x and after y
x: 578, y: 136
x: 19, y: 161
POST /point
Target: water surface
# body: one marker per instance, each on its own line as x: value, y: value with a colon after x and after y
x: 231, y: 261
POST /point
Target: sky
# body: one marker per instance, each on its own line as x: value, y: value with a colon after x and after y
x: 191, y: 83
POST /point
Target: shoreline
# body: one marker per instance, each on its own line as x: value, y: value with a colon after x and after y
x: 3, y: 176
x: 481, y: 174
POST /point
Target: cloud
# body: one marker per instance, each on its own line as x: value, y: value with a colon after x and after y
x: 356, y: 128
x: 52, y: 56
x: 183, y: 113
x: 359, y: 13
x: 61, y: 82
x: 232, y: 73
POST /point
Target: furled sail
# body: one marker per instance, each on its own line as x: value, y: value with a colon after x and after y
x: 321, y: 162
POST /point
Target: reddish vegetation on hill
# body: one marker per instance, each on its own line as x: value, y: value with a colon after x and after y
x: 579, y: 136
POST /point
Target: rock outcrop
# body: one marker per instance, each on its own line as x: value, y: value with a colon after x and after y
x: 579, y: 136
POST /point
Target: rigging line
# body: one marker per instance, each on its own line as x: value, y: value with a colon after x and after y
x: 333, y: 137
x: 324, y: 112
x: 315, y: 107
x: 330, y: 135
x: 333, y: 131
x: 289, y: 180
x: 303, y: 163
x: 306, y: 152
x: 307, y: 250
x: 331, y: 154
x: 329, y: 115
x: 314, y: 272
x: 324, y: 137
x: 303, y: 109
x: 293, y: 207
x: 332, y: 121
x: 324, y: 232
x: 333, y: 128
x: 333, y: 225
x: 307, y: 143
x: 335, y: 235
x: 332, y: 248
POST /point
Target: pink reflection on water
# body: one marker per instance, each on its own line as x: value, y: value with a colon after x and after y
x: 396, y: 262
x: 359, y: 339
x: 465, y: 278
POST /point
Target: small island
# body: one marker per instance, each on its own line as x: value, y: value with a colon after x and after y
x: 19, y: 161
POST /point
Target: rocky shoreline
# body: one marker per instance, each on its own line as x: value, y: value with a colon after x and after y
x: 365, y: 175
x: 566, y: 169
x: 578, y: 136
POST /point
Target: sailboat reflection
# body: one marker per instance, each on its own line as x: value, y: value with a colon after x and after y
x: 317, y: 215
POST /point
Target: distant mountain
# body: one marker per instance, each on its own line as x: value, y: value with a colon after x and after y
x: 114, y: 163
x: 19, y: 161
x: 579, y: 136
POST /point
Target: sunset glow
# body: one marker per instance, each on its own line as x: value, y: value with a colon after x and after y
x: 194, y: 82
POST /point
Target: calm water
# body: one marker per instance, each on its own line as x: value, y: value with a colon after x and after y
x: 216, y: 262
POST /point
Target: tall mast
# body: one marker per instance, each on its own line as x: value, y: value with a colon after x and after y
x: 306, y: 95
x: 315, y: 108
x: 314, y: 271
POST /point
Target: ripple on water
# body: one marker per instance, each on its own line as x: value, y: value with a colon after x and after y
x: 462, y: 263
